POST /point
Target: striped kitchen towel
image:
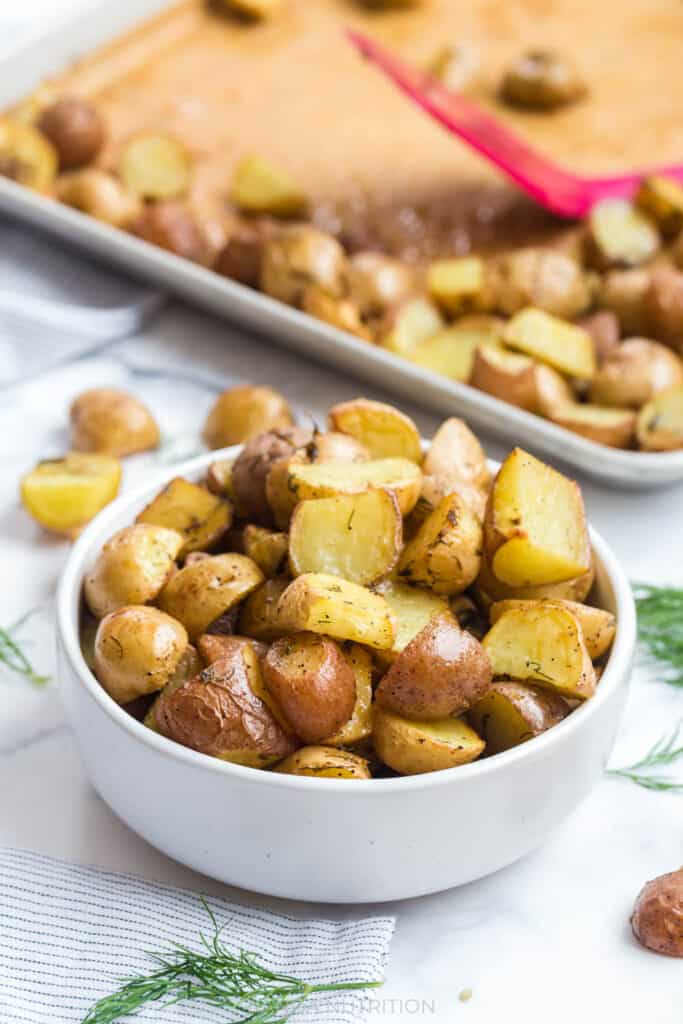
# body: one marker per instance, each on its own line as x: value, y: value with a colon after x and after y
x: 69, y: 935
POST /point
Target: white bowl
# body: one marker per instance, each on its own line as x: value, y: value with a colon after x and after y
x: 329, y: 839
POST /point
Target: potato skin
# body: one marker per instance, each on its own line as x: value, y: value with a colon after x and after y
x: 456, y: 453
x: 664, y: 306
x: 137, y: 649
x: 378, y: 283
x: 535, y: 709
x: 200, y: 593
x: 412, y: 748
x: 252, y: 466
x: 113, y: 422
x: 299, y: 257
x: 170, y: 225
x: 132, y: 567
x: 545, y: 278
x: 312, y: 682
x: 215, y: 647
x: 542, y: 80
x: 445, y: 554
x: 75, y: 129
x: 637, y: 370
x: 241, y: 413
x: 441, y: 672
x: 100, y: 195
x: 321, y: 762
x: 657, y: 919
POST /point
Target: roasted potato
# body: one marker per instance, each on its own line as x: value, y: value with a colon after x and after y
x: 155, y: 166
x: 26, y: 156
x: 444, y: 556
x: 661, y: 199
x: 267, y: 548
x: 620, y: 235
x: 381, y: 429
x: 137, y: 649
x: 241, y: 256
x: 605, y: 424
x: 506, y: 375
x: 113, y: 422
x: 544, y: 278
x: 402, y: 476
x: 201, y: 517
x: 355, y: 536
x: 664, y: 306
x: 320, y: 603
x: 535, y: 528
x: 659, y: 427
x: 325, y: 763
x: 451, y: 351
x: 441, y: 671
x: 311, y: 681
x: 299, y: 257
x: 260, y: 187
x: 170, y: 225
x: 625, y: 293
x: 564, y: 346
x: 259, y: 617
x: 598, y: 626
x: 377, y: 283
x: 75, y: 129
x: 100, y: 195
x: 132, y: 568
x: 408, y: 324
x: 637, y: 370
x: 456, y: 454
x: 542, y: 80
x: 604, y: 329
x: 657, y: 919
x: 189, y: 666
x: 458, y: 67
x: 412, y: 609
x: 65, y: 494
x: 338, y: 311
x: 489, y: 589
x: 331, y: 446
x: 216, y: 646
x: 551, y: 390
x: 412, y: 748
x: 512, y: 713
x: 542, y: 645
x: 459, y: 286
x: 251, y: 468
x: 243, y: 412
x: 200, y: 593
x: 359, y: 726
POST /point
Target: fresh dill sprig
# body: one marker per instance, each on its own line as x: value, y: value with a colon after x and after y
x: 665, y: 751
x: 235, y: 982
x: 13, y: 657
x: 660, y: 627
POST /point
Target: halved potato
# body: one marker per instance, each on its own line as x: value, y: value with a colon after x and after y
x: 331, y: 446
x: 564, y: 346
x: 339, y: 311
x: 455, y: 453
x: 412, y: 608
x: 189, y: 666
x: 625, y: 293
x: 384, y: 431
x: 445, y: 554
x: 378, y: 283
x: 620, y: 235
x: 489, y: 589
x: 346, y: 611
x: 258, y: 186
x: 112, y: 422
x: 402, y: 476
x: 65, y: 494
x: 155, y: 166
x: 542, y: 645
x: 450, y: 352
x: 409, y: 324
x: 26, y: 156
x: 201, y: 517
x: 252, y: 467
x: 258, y: 10
x: 535, y: 528
x: 100, y: 195
x: 634, y: 373
x: 412, y: 748
x: 131, y: 568
x: 321, y: 762
x: 506, y: 375
x: 434, y: 490
x: 601, y: 423
x: 355, y: 536
x: 359, y: 725
x: 660, y: 422
x: 200, y: 593
x: 661, y: 199
x: 216, y: 646
x: 551, y: 390
x: 544, y: 278
x: 297, y: 258
x: 243, y: 412
x: 266, y: 547
x: 459, y: 286
x: 599, y: 626
x: 259, y: 617
x: 512, y: 713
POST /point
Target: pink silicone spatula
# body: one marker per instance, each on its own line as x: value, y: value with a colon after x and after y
x: 565, y: 194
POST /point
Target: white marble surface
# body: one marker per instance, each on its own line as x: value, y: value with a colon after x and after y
x: 546, y: 939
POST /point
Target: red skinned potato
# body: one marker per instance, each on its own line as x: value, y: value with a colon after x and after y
x: 252, y: 466
x: 441, y: 672
x: 657, y: 919
x: 664, y: 306
x: 313, y: 684
x: 170, y: 225
x: 75, y: 129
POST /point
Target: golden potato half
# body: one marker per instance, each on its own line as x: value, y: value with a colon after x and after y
x: 322, y: 762
x: 65, y: 494
x: 411, y: 748
x: 402, y: 476
x: 512, y: 713
x: 199, y: 516
x: 384, y: 431
x: 132, y: 567
x: 334, y: 606
x: 200, y: 593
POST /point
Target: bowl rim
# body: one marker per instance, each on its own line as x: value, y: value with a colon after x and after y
x: 616, y: 673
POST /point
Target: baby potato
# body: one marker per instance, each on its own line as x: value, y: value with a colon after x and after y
x: 637, y: 370
x: 512, y: 713
x: 327, y: 480
x: 544, y: 278
x: 214, y: 647
x: 377, y: 283
x: 542, y: 645
x: 171, y: 226
x: 321, y: 762
x: 137, y: 649
x: 459, y: 286
x: 659, y: 426
x: 551, y: 391
x: 331, y: 446
x: 26, y: 156
x: 506, y: 375
x: 312, y: 683
x: 75, y: 129
x: 299, y: 257
x: 189, y: 666
x: 252, y: 466
x: 65, y: 494
x: 257, y: 10
x: 625, y: 293
x: 241, y: 256
x: 199, y: 516
x: 320, y: 603
x: 657, y: 919
x: 661, y: 199
x: 100, y: 195
x: 359, y: 726
x: 457, y: 67
x: 388, y: 5
x: 411, y: 748
x: 219, y: 713
x: 132, y: 568
x: 200, y: 593
x: 619, y: 235
x: 259, y: 617
x: 664, y: 306
x: 434, y: 490
x: 606, y: 425
x: 339, y: 312
x: 267, y: 548
x: 564, y: 346
x: 408, y: 324
x: 241, y: 413
x: 412, y: 609
x: 542, y: 80
x: 455, y: 453
x: 442, y: 671
x: 260, y: 187
x: 355, y: 536
x: 451, y: 351
x: 445, y: 554
x: 383, y: 431
x: 155, y: 166
x: 604, y: 329
x: 598, y: 626
x: 113, y: 422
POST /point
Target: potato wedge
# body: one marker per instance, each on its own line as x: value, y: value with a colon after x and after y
x: 459, y: 286
x: 383, y: 431
x: 535, y: 528
x: 455, y: 453
x: 605, y: 330
x: 488, y: 589
x: 26, y: 156
x: 506, y: 375
x: 402, y: 476
x: 601, y: 423
x: 241, y: 413
x: 450, y: 353
x: 661, y: 199
x: 200, y: 593
x: 442, y: 671
x: 355, y: 536
x: 65, y: 494
x: 512, y: 713
x: 598, y: 626
x: 409, y: 324
x: 320, y: 603
x: 562, y: 345
x: 267, y: 548
x: 155, y: 166
x: 201, y: 517
x: 259, y: 617
x: 551, y: 390
x: 323, y: 762
x: 445, y: 554
x: 311, y: 681
x: 412, y: 748
x: 131, y: 568
x: 544, y: 278
x: 359, y: 726
x: 660, y: 423
x: 137, y: 649
x: 434, y: 490
x: 412, y: 608
x: 543, y: 645
x: 258, y: 186
x: 620, y: 235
